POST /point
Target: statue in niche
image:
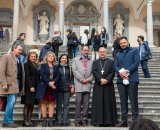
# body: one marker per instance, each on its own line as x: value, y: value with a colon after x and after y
x: 118, y: 23
x: 44, y: 23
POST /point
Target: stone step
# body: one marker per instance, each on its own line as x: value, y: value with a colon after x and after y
x: 18, y: 115
x: 69, y: 128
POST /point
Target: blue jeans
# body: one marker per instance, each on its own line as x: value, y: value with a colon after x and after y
x: 8, y: 115
x: 145, y: 68
x: 62, y: 112
x: 75, y: 51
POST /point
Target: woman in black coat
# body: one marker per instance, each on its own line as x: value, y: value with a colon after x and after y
x: 31, y: 81
x: 96, y: 45
x: 64, y: 90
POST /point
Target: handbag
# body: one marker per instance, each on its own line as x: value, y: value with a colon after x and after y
x: 3, y: 103
x: 72, y: 92
x: 71, y: 85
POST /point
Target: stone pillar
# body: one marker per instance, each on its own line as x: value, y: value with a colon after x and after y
x: 105, y: 14
x: 15, y: 19
x: 61, y: 17
x: 149, y: 22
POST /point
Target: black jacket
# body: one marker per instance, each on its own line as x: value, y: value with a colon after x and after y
x: 96, y: 43
x: 65, y: 78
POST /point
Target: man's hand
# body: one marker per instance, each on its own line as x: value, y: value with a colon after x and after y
x: 84, y: 81
x: 123, y: 74
x: 5, y: 86
x: 89, y: 81
x: 32, y: 89
x: 103, y: 81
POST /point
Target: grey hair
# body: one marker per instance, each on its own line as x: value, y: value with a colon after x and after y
x: 15, y: 44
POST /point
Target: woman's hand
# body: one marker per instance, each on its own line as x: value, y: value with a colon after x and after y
x: 51, y: 83
x: 53, y: 87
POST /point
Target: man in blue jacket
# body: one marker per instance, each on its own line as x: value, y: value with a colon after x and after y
x: 145, y: 53
x: 126, y: 66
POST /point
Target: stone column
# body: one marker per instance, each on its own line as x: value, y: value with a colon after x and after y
x: 149, y: 22
x: 105, y: 14
x: 61, y: 17
x: 15, y: 19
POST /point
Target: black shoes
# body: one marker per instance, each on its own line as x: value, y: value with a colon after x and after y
x: 78, y: 124
x: 84, y: 124
x: 47, y: 123
x: 10, y: 125
x: 31, y: 124
x: 50, y: 122
x: 122, y: 124
x: 26, y: 124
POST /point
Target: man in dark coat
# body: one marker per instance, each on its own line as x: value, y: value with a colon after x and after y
x: 44, y: 50
x: 104, y: 112
x: 127, y: 59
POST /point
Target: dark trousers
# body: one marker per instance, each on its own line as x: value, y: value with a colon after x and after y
x: 55, y: 50
x: 63, y: 107
x: 70, y: 54
x: 82, y: 98
x: 145, y: 68
x: 130, y: 91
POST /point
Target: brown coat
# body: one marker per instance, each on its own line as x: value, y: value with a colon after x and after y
x: 8, y: 74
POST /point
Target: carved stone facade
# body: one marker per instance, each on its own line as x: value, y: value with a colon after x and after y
x: 6, y: 17
x: 43, y: 6
x: 81, y: 11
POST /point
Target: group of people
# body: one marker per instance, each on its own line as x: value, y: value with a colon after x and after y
x: 94, y: 41
x: 47, y: 83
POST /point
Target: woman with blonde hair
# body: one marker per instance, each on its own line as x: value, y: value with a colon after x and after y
x: 46, y: 89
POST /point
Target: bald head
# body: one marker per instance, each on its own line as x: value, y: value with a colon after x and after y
x: 102, y: 52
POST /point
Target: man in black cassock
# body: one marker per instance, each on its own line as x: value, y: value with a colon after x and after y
x: 104, y: 112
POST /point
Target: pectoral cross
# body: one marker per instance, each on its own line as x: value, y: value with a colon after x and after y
x: 102, y: 71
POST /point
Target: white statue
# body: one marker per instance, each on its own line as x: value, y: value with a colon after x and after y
x: 118, y: 22
x: 44, y: 23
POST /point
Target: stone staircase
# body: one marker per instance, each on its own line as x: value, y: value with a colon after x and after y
x: 149, y: 95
